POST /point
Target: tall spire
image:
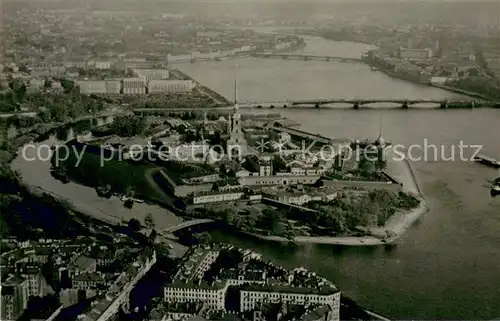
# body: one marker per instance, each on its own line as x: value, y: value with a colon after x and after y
x: 380, y: 127
x: 380, y: 140
x: 236, y: 87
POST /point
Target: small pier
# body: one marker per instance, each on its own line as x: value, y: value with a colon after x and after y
x: 488, y: 161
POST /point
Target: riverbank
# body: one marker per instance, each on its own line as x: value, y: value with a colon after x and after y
x: 34, y: 168
x: 424, y: 82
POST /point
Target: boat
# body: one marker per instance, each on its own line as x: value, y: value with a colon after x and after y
x: 374, y: 68
x: 495, y: 188
x: 489, y: 161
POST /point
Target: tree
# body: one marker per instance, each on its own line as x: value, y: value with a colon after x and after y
x: 202, y: 238
x: 129, y: 192
x: 228, y: 216
x: 272, y: 218
x: 58, y: 112
x: 279, y: 165
x: 67, y: 85
x: 222, y: 169
x: 149, y: 221
x: 134, y: 224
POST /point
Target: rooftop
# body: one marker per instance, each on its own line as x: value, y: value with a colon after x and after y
x: 321, y: 290
x: 88, y: 277
x: 82, y: 262
x: 316, y: 314
x: 198, y: 284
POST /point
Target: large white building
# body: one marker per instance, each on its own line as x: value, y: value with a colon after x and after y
x: 152, y: 74
x: 253, y: 294
x: 134, y: 86
x: 188, y: 285
x: 217, y: 196
x: 14, y: 297
x: 100, y: 64
x: 213, y: 295
x: 113, y: 86
x: 415, y: 54
x: 170, y: 86
x: 99, y: 86
x: 92, y: 86
x: 278, y: 180
x: 299, y: 287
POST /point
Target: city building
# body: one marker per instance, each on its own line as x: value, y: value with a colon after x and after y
x: 213, y: 295
x: 35, y: 280
x: 300, y: 196
x: 113, y: 87
x: 134, y: 86
x: 415, y: 54
x: 300, y: 171
x: 92, y: 86
x: 170, y: 86
x: 35, y: 85
x: 252, y: 295
x: 102, y: 65
x: 188, y: 286
x: 87, y: 281
x: 321, y: 313
x: 152, y: 74
x: 216, y: 196
x: 48, y: 71
x: 278, y: 180
x: 265, y: 167
x: 82, y: 264
x: 14, y: 297
x: 117, y: 296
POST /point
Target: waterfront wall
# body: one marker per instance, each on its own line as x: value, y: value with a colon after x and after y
x: 363, y: 185
x: 54, y: 315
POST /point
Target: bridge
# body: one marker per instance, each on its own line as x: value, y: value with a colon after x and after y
x: 305, y: 57
x: 357, y: 103
x: 184, y: 225
x: 360, y: 102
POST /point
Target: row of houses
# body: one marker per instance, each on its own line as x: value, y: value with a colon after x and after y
x: 300, y: 196
x: 259, y: 282
x: 134, y: 86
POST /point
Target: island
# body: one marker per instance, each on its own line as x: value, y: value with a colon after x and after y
x: 248, y: 172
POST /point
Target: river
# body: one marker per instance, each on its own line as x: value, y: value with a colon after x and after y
x: 276, y: 79
x: 447, y: 265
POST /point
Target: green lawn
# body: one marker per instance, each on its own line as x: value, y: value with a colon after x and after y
x: 118, y: 174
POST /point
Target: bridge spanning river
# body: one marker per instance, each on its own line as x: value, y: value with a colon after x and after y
x: 305, y: 57
x: 320, y: 103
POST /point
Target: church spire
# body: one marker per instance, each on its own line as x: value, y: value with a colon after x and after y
x: 380, y: 140
x: 380, y: 127
x: 236, y: 107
